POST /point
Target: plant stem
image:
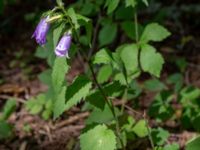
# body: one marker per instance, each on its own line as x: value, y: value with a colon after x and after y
x: 110, y: 104
x: 139, y: 51
x: 149, y: 132
x: 136, y: 27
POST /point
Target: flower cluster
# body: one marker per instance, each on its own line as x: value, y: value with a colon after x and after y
x: 40, y: 34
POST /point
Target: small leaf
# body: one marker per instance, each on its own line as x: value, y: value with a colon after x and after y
x: 96, y: 99
x: 101, y: 116
x: 129, y: 56
x: 150, y: 60
x: 159, y: 136
x: 8, y: 108
x: 140, y: 128
x: 112, y: 5
x: 45, y: 76
x: 154, y: 85
x: 103, y: 56
x: 104, y: 73
x: 173, y: 146
x: 60, y: 68
x: 107, y: 34
x: 154, y: 32
x: 98, y: 138
x: 5, y: 130
x: 77, y: 91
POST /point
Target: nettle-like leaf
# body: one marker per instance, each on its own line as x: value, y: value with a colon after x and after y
x: 103, y: 56
x: 72, y: 95
x: 140, y: 129
x: 151, y: 61
x: 107, y: 34
x: 77, y: 91
x: 59, y: 105
x: 104, y: 73
x: 5, y: 130
x: 102, y: 116
x: 112, y: 5
x: 98, y: 138
x: 154, y: 32
x: 129, y: 56
x: 60, y: 68
x: 96, y: 99
x: 159, y: 136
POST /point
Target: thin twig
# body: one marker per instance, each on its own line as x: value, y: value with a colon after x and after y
x: 94, y: 36
x: 72, y: 119
x: 10, y: 97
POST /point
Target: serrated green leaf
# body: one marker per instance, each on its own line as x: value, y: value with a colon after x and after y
x: 154, y: 32
x: 60, y: 68
x: 129, y: 56
x: 101, y: 116
x: 96, y: 99
x: 104, y: 73
x: 98, y: 138
x: 112, y: 5
x: 103, y: 56
x: 150, y: 60
x: 59, y: 105
x: 107, y: 34
x: 159, y: 136
x: 140, y: 129
x: 77, y: 91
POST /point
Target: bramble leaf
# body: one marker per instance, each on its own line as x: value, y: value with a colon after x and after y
x: 60, y: 68
x: 150, y: 60
x: 98, y: 138
x: 154, y: 32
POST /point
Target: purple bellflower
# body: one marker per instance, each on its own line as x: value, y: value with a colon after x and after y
x: 41, y: 31
x: 63, y: 45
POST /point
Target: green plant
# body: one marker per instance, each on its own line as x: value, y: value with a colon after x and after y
x: 109, y: 75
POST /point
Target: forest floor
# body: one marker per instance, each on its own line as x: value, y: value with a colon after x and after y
x: 19, y: 70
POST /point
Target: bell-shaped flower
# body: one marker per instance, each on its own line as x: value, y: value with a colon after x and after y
x: 41, y: 31
x: 63, y: 45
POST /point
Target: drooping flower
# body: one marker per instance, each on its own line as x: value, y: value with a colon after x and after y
x: 41, y: 31
x: 63, y: 45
